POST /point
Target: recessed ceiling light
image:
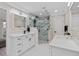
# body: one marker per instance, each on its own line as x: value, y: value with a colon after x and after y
x: 56, y: 11
x: 40, y: 13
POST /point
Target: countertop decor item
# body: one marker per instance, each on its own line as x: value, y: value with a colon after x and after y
x: 28, y: 28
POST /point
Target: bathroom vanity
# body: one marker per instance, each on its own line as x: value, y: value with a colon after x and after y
x: 21, y: 43
x: 64, y: 45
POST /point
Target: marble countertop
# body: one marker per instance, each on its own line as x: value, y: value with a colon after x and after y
x: 65, y: 42
x: 32, y: 30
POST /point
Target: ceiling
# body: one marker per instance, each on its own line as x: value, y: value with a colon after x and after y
x: 45, y: 8
x: 75, y: 7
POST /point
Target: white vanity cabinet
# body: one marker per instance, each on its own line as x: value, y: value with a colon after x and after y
x: 25, y: 43
x: 31, y: 40
x: 28, y: 42
x: 19, y: 44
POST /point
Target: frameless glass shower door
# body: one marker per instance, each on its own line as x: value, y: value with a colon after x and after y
x: 43, y: 27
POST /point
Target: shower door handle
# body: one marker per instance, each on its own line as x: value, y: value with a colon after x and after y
x: 38, y: 30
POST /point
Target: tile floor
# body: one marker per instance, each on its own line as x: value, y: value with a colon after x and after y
x: 40, y: 50
x: 3, y: 51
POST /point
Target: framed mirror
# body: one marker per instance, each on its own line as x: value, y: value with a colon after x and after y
x: 19, y: 21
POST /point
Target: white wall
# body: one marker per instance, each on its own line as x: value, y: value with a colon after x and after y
x: 75, y: 25
x: 56, y: 24
x: 59, y: 24
x: 51, y: 34
x: 75, y: 22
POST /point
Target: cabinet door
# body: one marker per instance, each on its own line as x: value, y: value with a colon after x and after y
x: 19, y: 44
x: 28, y: 42
x: 25, y: 43
x: 31, y: 40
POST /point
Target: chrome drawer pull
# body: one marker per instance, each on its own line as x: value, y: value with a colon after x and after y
x: 19, y: 39
x: 29, y: 39
x: 19, y: 44
x: 19, y: 51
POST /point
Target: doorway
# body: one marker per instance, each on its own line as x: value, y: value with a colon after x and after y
x: 2, y: 32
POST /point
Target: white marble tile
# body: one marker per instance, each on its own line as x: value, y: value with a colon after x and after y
x: 40, y: 50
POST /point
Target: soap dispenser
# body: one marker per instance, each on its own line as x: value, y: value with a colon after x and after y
x: 28, y: 28
x: 24, y: 31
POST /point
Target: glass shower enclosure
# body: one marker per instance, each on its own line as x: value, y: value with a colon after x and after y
x: 43, y: 27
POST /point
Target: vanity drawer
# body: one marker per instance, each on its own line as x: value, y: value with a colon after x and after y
x: 19, y: 40
x: 19, y: 51
x: 19, y: 45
